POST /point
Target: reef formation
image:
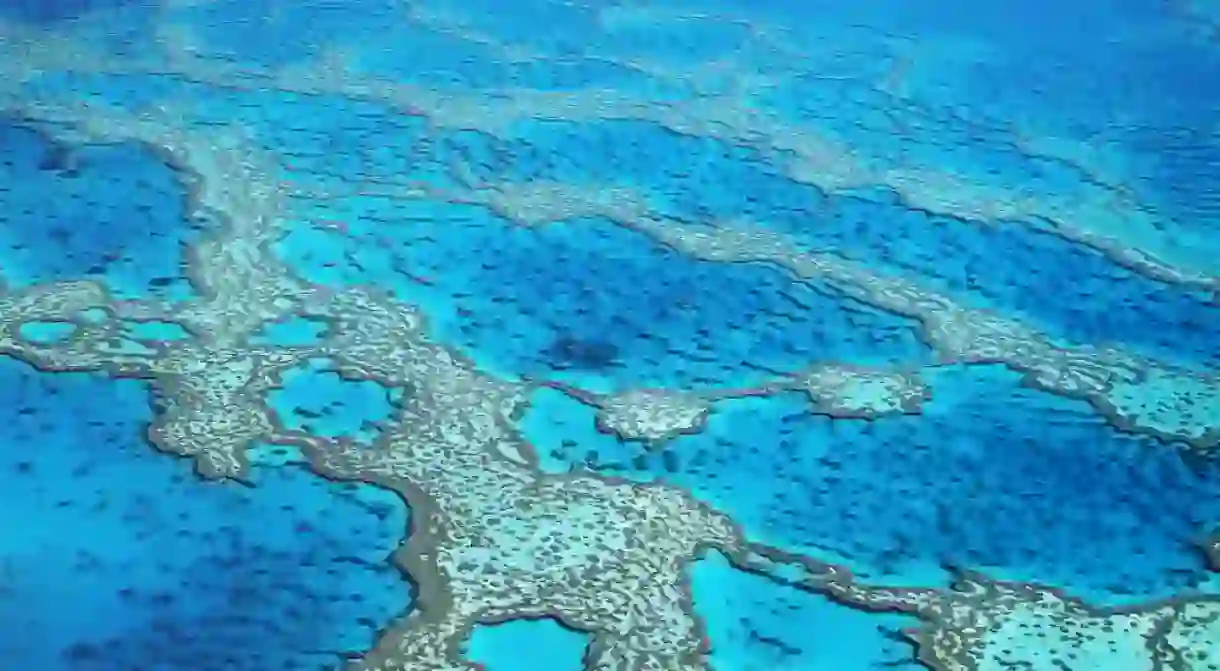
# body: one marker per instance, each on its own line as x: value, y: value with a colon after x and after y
x: 322, y: 183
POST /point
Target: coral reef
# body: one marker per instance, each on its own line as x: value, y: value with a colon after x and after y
x: 848, y: 393
x: 650, y: 415
x: 597, y: 302
x: 983, y: 625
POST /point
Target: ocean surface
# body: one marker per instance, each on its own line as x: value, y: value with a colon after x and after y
x: 563, y: 335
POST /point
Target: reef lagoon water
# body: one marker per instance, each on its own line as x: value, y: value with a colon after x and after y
x: 594, y: 335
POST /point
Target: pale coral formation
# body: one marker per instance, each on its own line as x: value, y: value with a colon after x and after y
x: 537, y: 204
x: 652, y: 415
x: 1172, y: 404
x: 494, y: 538
x: 214, y: 403
x: 499, y: 541
x: 95, y: 341
x: 861, y: 393
x: 1144, y: 395
x: 1192, y: 641
x: 1015, y: 625
x: 981, y: 625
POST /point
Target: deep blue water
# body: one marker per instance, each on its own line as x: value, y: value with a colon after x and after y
x: 1013, y: 481
x: 589, y: 301
x: 52, y: 11
x: 114, y: 213
x: 383, y: 125
x: 1072, y: 291
x: 118, y: 557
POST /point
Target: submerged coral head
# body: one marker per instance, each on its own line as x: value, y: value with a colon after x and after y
x: 569, y: 352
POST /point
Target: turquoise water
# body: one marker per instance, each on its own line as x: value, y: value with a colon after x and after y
x: 755, y: 623
x: 403, y: 335
x: 500, y: 646
x: 983, y: 450
x: 315, y: 399
x: 588, y: 302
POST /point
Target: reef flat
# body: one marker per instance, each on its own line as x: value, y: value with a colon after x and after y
x: 637, y: 333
